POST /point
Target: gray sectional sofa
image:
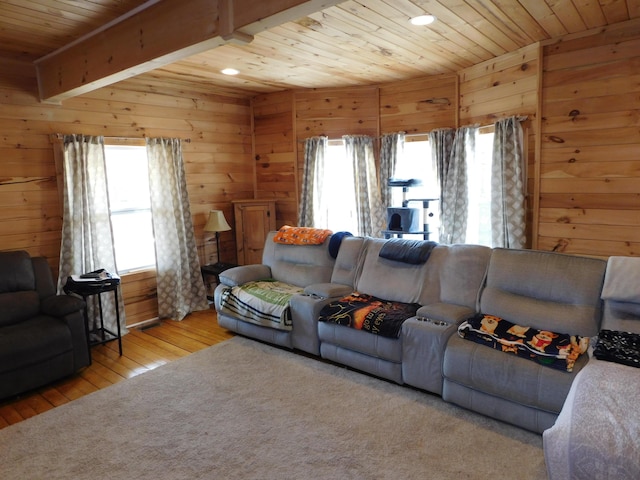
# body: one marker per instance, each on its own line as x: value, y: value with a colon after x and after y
x: 549, y: 292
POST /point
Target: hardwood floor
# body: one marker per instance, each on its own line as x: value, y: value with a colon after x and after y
x: 142, y: 350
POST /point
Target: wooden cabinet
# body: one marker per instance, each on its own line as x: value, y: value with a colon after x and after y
x: 254, y: 219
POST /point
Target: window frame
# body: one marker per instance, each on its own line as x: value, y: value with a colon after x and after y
x: 127, y: 142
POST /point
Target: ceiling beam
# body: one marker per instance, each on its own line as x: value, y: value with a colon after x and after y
x: 158, y: 33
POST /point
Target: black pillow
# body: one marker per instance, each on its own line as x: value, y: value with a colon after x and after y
x: 407, y: 251
x: 619, y: 347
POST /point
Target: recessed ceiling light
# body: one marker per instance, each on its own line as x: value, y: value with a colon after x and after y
x: 423, y: 20
x: 230, y: 71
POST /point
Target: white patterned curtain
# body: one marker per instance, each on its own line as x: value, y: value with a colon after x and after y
x: 309, y: 214
x: 87, y: 242
x: 369, y: 210
x: 391, y: 149
x: 448, y: 149
x: 180, y: 286
x: 508, y: 185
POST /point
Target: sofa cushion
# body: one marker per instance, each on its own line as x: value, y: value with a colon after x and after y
x: 391, y: 279
x: 16, y: 272
x: 350, y: 339
x: 545, y: 290
x: 298, y: 265
x: 33, y: 341
x: 348, y: 260
x: 515, y: 379
x: 16, y: 307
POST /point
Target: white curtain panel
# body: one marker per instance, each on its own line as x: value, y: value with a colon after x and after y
x: 450, y: 149
x: 508, y: 185
x: 391, y: 148
x: 180, y: 286
x: 371, y: 215
x: 87, y: 242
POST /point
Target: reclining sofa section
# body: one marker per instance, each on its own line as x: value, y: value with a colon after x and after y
x: 544, y: 290
x: 548, y: 291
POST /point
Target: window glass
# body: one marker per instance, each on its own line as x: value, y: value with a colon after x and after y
x: 128, y: 187
x: 338, y: 204
x: 479, y: 185
x: 415, y: 163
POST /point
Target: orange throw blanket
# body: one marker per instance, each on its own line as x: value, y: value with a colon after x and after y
x: 301, y: 235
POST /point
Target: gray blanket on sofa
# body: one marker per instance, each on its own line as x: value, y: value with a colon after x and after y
x: 596, y: 435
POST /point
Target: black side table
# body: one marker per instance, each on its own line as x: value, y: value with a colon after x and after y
x: 214, y: 270
x: 99, y: 335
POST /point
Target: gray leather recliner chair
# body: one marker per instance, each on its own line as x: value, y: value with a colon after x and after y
x: 42, y: 334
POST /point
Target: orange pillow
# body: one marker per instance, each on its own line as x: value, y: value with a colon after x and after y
x: 301, y: 235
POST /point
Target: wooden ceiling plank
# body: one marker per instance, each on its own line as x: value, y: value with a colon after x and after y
x: 387, y: 46
x: 566, y: 11
x: 394, y: 16
x: 17, y: 13
x: 139, y: 42
x: 456, y: 25
x: 356, y: 50
x: 515, y: 21
x: 281, y: 73
x: 85, y: 15
x: 340, y: 60
x: 618, y: 10
x: 477, y: 26
x: 545, y: 17
x: 592, y: 13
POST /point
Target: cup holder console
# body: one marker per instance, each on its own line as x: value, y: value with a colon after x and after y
x: 438, y: 323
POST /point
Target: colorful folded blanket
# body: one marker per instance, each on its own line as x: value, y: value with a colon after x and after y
x: 301, y: 235
x: 264, y: 303
x: 366, y: 312
x: 555, y: 350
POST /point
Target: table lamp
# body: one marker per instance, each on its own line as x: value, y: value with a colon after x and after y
x: 217, y: 223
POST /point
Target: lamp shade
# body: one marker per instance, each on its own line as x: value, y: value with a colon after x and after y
x: 216, y: 222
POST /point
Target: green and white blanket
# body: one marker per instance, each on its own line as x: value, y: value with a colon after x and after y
x: 264, y: 302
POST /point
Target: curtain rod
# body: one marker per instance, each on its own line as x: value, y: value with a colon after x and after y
x: 521, y: 118
x: 60, y: 136
x: 378, y: 137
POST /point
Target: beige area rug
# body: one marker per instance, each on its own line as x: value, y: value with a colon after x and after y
x: 245, y: 410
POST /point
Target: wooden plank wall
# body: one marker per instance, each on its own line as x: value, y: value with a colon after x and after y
x: 217, y: 159
x: 590, y: 162
x: 418, y: 106
x: 275, y: 154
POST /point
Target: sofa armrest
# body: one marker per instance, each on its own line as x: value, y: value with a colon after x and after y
x: 446, y: 312
x: 61, y: 305
x: 328, y: 290
x: 244, y: 273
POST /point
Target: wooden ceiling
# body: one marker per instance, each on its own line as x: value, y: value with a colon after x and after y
x: 354, y: 43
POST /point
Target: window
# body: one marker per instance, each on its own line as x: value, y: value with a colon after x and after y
x: 338, y: 205
x: 130, y: 208
x: 479, y: 188
x: 415, y: 163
